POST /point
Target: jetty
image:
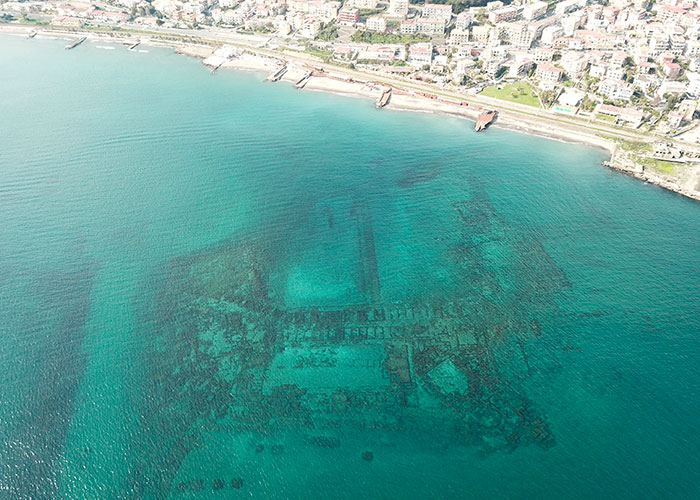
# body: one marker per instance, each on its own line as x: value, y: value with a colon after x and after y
x: 304, y: 80
x: 217, y: 66
x: 32, y: 34
x: 134, y: 45
x: 277, y: 74
x: 76, y: 43
x: 221, y: 56
x: 484, y: 119
x: 383, y: 99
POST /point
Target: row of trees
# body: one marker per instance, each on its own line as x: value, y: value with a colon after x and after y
x: 374, y: 37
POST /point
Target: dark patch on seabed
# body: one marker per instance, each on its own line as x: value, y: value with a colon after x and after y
x: 29, y: 459
x: 449, y: 373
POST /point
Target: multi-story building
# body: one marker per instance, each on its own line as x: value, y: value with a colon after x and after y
x: 420, y: 54
x: 658, y: 42
x: 551, y: 33
x: 398, y: 8
x: 542, y: 54
x: 362, y: 4
x: 547, y: 72
x: 571, y: 23
x: 463, y: 21
x: 324, y: 11
x: 693, y: 83
x: 669, y: 13
x: 569, y: 6
x: 376, y: 23
x: 438, y: 11
x: 615, y: 72
x: 574, y: 63
x: 348, y: 16
x: 459, y: 37
x: 534, y: 10
x: 616, y: 89
x: 504, y: 14
x: 480, y: 34
x: 430, y: 25
x: 516, y: 34
x: 677, y: 45
x: 672, y: 70
x: 692, y: 49
x: 408, y: 27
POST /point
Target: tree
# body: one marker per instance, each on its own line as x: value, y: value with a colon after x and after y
x: 328, y: 32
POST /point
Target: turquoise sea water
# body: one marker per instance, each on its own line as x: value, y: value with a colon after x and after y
x: 212, y: 287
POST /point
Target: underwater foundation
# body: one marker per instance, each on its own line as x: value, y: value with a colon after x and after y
x: 450, y: 372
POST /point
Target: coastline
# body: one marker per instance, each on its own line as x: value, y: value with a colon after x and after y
x: 403, y: 101
x: 341, y: 81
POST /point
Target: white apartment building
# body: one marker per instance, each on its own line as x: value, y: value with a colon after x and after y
x: 574, y: 63
x: 463, y: 21
x: 459, y: 37
x: 480, y: 34
x: 325, y: 11
x: 616, y: 89
x: 398, y: 8
x: 504, y: 14
x: 438, y: 11
x: 551, y: 33
x: 362, y: 4
x: 516, y: 34
x: 548, y: 72
x: 376, y: 23
x: 534, y: 10
x: 420, y: 54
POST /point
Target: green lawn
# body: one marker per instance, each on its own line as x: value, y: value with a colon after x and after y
x: 663, y: 166
x: 520, y: 92
x: 634, y: 146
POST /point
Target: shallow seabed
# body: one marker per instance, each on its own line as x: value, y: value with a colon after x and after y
x: 217, y: 288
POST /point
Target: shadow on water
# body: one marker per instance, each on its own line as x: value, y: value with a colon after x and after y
x: 54, y: 370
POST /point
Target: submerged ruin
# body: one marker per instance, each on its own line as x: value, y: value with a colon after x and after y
x: 229, y: 353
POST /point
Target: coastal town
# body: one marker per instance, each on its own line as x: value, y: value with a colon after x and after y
x: 628, y: 70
